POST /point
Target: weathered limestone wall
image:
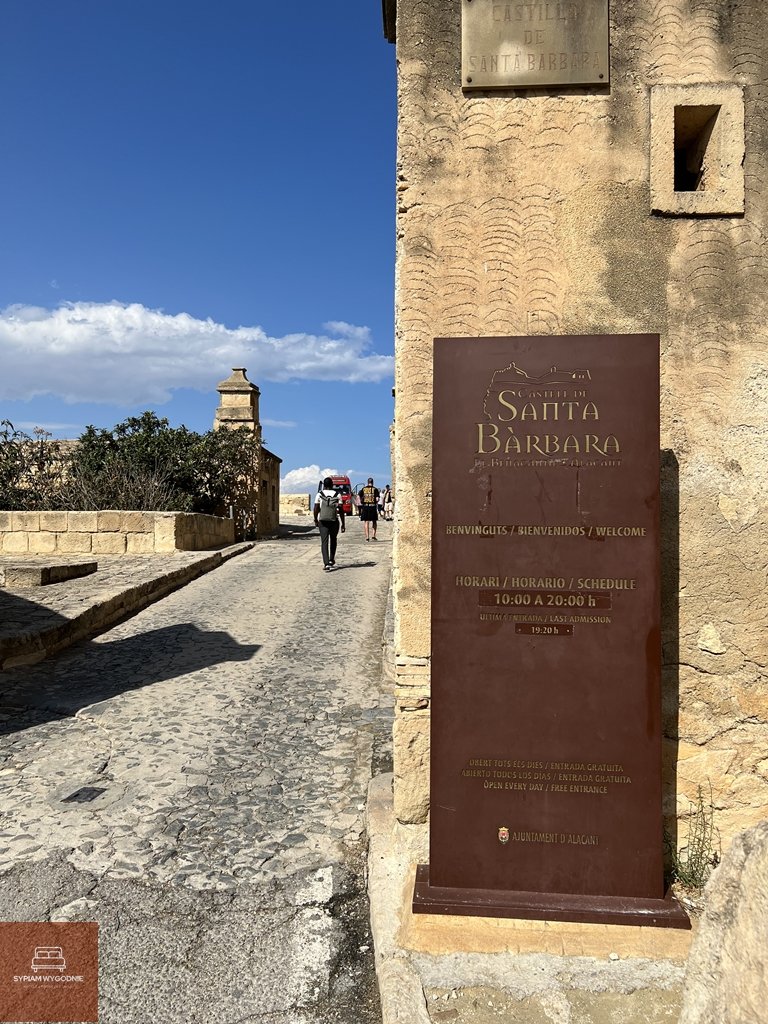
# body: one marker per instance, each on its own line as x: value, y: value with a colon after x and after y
x: 293, y: 504
x: 726, y: 980
x: 532, y: 213
x: 111, y: 533
x: 269, y: 494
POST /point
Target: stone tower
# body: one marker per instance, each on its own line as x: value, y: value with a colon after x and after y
x: 238, y: 403
x: 258, y: 511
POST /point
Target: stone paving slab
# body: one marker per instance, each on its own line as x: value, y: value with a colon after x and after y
x: 35, y: 625
x: 228, y: 733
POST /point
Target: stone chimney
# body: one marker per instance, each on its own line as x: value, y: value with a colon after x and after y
x: 238, y: 403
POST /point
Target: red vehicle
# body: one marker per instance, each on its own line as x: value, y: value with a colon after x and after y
x: 343, y: 488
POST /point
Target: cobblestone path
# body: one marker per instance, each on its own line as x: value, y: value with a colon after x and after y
x: 229, y: 733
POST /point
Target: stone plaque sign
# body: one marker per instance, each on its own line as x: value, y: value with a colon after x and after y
x: 530, y: 45
x: 546, y: 734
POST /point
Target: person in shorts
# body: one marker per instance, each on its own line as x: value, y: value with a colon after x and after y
x: 369, y: 509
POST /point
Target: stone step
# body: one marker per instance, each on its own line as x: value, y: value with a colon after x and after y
x: 41, y: 574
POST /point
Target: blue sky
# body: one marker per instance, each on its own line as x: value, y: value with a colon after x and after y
x: 187, y: 186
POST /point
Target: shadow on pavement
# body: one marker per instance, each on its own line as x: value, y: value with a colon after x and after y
x: 354, y: 565
x: 291, y: 531
x: 89, y: 672
x: 22, y: 622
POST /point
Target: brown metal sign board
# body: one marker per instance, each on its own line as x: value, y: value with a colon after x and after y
x: 534, y: 45
x: 546, y: 711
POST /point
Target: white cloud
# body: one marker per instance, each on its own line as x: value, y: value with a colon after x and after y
x: 278, y: 423
x: 70, y: 429
x: 131, y: 355
x: 297, y: 481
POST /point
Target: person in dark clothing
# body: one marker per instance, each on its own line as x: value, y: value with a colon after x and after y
x: 329, y: 516
x: 369, y: 509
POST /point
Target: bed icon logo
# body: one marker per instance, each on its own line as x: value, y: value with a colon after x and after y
x: 49, y: 958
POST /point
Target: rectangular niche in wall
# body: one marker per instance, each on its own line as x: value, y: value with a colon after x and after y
x: 697, y: 149
x: 697, y: 163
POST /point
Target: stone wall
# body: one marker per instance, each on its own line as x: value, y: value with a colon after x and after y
x: 553, y: 211
x: 726, y: 980
x: 111, y: 532
x: 295, y: 504
x: 268, y: 519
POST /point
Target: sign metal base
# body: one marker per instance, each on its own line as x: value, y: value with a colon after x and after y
x: 542, y: 906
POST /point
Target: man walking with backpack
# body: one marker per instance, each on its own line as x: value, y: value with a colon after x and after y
x: 369, y: 509
x: 328, y: 516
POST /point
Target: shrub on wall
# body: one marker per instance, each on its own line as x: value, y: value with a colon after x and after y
x: 141, y: 463
x: 32, y: 469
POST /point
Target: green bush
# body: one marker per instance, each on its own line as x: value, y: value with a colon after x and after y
x: 32, y: 470
x: 141, y: 463
x: 693, y: 862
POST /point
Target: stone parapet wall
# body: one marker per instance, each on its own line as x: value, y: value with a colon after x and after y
x: 111, y: 532
x: 295, y: 504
